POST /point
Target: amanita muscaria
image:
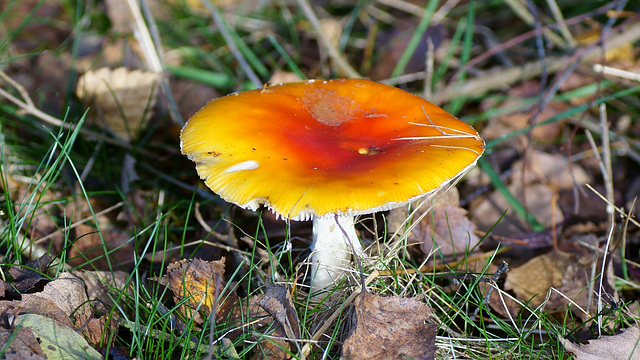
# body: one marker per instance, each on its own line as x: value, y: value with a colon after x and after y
x: 316, y: 149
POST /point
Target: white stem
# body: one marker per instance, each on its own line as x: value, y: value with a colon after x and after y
x: 331, y: 254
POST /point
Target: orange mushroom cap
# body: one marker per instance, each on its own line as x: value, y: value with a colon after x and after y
x: 323, y: 147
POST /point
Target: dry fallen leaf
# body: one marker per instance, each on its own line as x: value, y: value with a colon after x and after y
x: 568, y: 273
x: 98, y: 330
x: 591, y: 32
x: 68, y: 293
x: 623, y: 346
x: 448, y: 228
x: 445, y: 227
x: 276, y: 301
x: 544, y: 175
x: 390, y: 328
x: 272, y: 345
x: 199, y: 282
x: 57, y: 340
x: 21, y: 344
x: 26, y: 277
x: 124, y: 99
x: 118, y: 13
x: 32, y: 305
x: 510, y: 120
x: 283, y: 77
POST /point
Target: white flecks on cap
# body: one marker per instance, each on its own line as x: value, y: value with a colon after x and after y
x: 245, y: 165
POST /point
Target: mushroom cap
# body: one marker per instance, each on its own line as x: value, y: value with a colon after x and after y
x: 322, y: 147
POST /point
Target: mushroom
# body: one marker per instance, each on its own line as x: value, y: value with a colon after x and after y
x: 327, y: 151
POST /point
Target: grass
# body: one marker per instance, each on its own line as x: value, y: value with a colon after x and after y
x: 60, y: 171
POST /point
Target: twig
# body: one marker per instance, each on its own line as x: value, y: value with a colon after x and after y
x: 27, y: 105
x: 607, y: 70
x: 604, y: 162
x: 342, y: 64
x: 503, y: 268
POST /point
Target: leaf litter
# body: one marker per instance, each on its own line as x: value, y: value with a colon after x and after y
x: 59, y: 316
x: 390, y: 327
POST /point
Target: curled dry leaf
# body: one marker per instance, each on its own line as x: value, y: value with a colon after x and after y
x: 123, y: 98
x: 390, y: 328
x: 32, y: 305
x: 26, y: 277
x: 449, y: 229
x: 446, y: 226
x: 199, y: 282
x: 277, y: 302
x: 64, y: 301
x: 623, y: 346
x: 69, y: 294
x: 568, y: 273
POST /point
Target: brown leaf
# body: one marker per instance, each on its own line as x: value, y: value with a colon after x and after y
x: 283, y: 77
x: 191, y: 96
x: 390, y: 328
x: 123, y: 98
x: 23, y: 345
x: 446, y: 226
x: 277, y: 302
x: 511, y: 120
x: 566, y: 272
x: 68, y: 293
x: 98, y: 330
x: 449, y: 228
x: 26, y: 277
x: 32, y: 305
x: 273, y: 320
x: 199, y: 282
x: 541, y: 176
x: 273, y: 346
x: 623, y: 346
x: 121, y: 19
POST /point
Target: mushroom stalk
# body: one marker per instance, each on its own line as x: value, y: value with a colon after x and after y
x: 331, y: 250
